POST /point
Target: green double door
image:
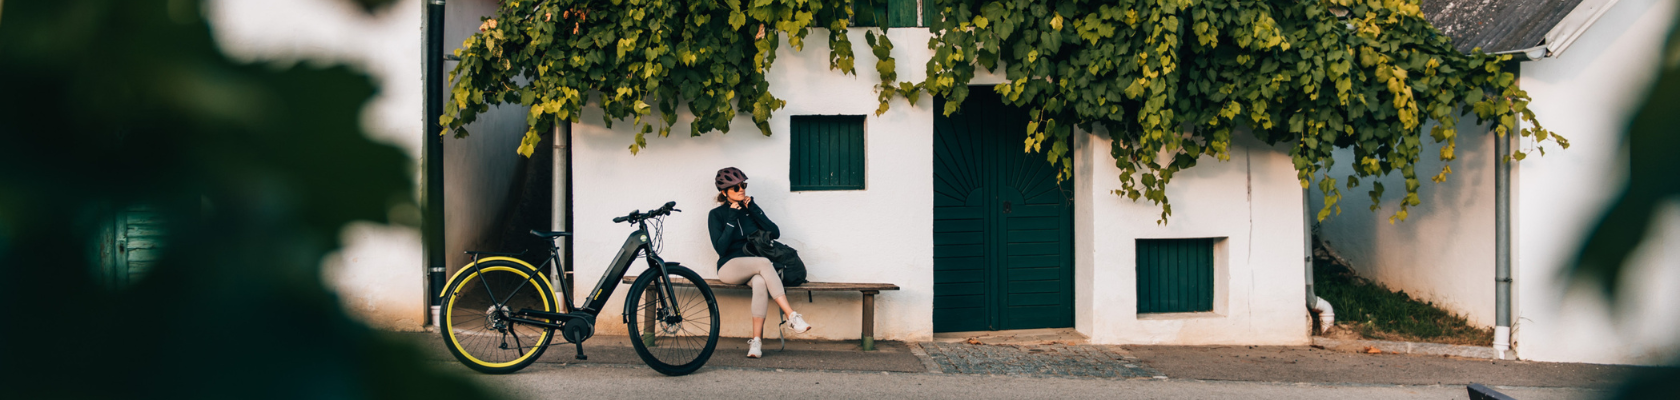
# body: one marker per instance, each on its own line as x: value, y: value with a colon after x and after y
x: 1002, y: 225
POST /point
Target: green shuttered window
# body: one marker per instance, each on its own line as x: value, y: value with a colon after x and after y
x: 887, y: 13
x: 827, y: 153
x: 1174, y: 275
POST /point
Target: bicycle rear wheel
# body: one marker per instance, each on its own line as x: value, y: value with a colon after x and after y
x: 674, y: 336
x: 477, y: 308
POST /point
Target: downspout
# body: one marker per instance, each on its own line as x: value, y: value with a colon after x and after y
x: 432, y: 198
x: 1326, y: 315
x: 1306, y: 245
x: 563, y: 203
x: 1502, y: 244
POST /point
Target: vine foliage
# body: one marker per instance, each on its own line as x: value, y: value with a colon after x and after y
x: 707, y: 55
x: 1169, y: 81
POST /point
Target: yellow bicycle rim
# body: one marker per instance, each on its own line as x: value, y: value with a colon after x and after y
x: 449, y: 318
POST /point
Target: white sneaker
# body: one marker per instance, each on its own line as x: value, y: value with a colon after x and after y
x: 798, y: 323
x: 753, y: 349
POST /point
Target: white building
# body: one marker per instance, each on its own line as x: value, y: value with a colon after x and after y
x: 1445, y: 251
x: 952, y: 212
x: 933, y: 205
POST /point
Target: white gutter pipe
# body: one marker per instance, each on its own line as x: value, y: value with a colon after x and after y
x: 1502, y: 245
x: 1326, y: 315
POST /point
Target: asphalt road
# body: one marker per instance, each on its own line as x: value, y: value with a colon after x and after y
x: 571, y: 381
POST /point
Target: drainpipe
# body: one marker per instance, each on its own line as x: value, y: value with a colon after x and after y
x: 1306, y: 246
x: 1502, y: 244
x: 432, y: 197
x: 563, y: 203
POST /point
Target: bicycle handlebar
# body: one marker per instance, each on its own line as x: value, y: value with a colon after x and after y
x: 638, y: 215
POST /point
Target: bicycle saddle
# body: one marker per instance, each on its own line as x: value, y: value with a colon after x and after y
x: 545, y: 234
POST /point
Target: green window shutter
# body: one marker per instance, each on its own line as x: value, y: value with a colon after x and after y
x: 1174, y: 275
x: 901, y: 13
x: 827, y: 153
x: 930, y: 12
x: 884, y: 13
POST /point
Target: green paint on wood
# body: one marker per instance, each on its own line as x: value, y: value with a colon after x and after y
x: 1003, y: 237
x: 130, y: 245
x: 885, y: 13
x: 827, y: 153
x: 1174, y: 275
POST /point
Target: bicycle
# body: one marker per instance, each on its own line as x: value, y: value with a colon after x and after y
x: 499, y: 313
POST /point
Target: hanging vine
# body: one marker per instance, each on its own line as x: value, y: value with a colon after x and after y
x: 1168, y: 80
x: 638, y: 56
x: 1171, y: 80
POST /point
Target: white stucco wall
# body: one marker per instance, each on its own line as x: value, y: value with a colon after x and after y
x: 881, y: 234
x: 1252, y: 203
x: 1444, y: 251
x: 884, y: 233
x: 1587, y: 95
x: 378, y: 273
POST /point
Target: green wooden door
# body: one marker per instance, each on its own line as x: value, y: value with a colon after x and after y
x: 129, y: 245
x: 1003, y: 237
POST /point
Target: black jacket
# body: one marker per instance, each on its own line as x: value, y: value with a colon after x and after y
x: 730, y: 227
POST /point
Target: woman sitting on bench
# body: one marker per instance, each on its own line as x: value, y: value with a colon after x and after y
x: 730, y: 224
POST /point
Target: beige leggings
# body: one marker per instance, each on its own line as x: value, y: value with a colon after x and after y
x: 762, y: 276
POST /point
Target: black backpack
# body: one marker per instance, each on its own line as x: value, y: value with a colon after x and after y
x: 784, y: 258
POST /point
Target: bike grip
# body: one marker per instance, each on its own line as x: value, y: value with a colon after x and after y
x: 620, y: 219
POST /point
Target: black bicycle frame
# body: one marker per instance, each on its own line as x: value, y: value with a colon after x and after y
x: 633, y: 247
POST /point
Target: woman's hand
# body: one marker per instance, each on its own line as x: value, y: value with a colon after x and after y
x: 746, y: 202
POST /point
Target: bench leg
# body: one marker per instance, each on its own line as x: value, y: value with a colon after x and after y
x: 649, y: 308
x: 869, y: 320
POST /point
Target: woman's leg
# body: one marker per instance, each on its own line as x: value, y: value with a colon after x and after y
x: 761, y: 275
x: 758, y: 307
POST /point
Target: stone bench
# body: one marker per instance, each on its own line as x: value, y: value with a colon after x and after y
x: 869, y: 290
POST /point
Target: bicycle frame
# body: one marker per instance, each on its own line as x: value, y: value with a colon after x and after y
x: 634, y: 245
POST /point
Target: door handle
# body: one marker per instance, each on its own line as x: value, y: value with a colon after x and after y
x: 1007, y: 207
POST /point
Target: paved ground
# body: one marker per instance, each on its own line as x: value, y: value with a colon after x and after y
x: 731, y: 352
x: 1305, y: 364
x: 1037, y: 360
x: 556, y: 381
x: 961, y: 370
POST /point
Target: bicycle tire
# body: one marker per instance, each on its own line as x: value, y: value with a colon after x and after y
x: 672, y: 346
x: 477, y: 335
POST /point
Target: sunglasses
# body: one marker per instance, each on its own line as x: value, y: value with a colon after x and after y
x: 742, y: 186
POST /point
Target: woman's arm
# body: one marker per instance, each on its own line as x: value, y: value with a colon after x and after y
x: 763, y: 221
x: 719, y: 230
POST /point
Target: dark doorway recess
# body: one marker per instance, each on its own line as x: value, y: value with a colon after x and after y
x: 1002, y: 225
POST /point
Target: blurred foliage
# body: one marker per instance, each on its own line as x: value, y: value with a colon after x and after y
x: 1653, y: 178
x: 1652, y: 182
x: 112, y: 103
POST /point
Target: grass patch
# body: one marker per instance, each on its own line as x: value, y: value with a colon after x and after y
x: 1371, y: 311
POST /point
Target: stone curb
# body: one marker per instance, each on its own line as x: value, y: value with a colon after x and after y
x: 927, y: 361
x: 1428, y: 349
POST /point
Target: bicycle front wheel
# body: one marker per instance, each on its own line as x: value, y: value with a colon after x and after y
x: 673, y: 335
x: 478, y: 308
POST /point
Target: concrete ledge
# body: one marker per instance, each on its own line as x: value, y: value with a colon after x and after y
x: 1428, y: 349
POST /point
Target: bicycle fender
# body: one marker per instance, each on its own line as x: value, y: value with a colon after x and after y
x: 515, y: 260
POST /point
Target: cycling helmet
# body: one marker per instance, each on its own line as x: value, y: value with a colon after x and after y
x: 730, y: 176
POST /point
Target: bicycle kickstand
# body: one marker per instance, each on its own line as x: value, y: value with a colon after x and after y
x: 580, y: 355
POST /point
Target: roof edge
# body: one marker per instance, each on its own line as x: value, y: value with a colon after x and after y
x: 1573, y: 25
